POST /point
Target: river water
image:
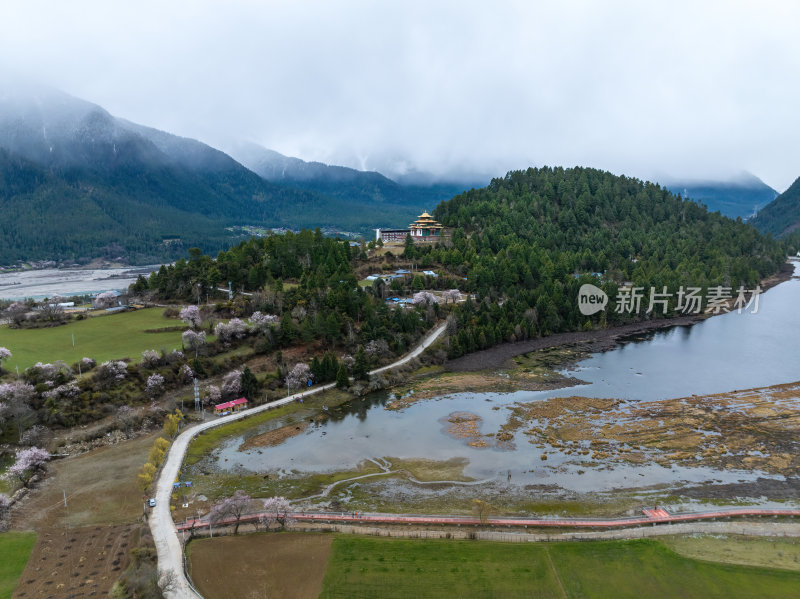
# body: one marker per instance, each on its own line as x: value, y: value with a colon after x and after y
x: 48, y: 282
x: 724, y: 353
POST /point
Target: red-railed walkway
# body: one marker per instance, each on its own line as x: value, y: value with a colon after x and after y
x: 651, y: 516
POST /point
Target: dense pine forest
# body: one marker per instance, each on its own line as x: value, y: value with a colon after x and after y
x: 529, y: 240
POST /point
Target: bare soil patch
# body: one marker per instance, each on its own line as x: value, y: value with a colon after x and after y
x: 76, y: 562
x: 274, y: 437
x: 282, y: 565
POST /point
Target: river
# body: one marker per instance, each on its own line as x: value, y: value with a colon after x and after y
x: 48, y: 282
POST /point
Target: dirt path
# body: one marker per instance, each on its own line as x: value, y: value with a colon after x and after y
x: 555, y: 573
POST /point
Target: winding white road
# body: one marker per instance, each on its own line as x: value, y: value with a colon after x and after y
x: 165, y: 535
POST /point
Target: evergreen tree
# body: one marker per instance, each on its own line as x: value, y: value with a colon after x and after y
x: 342, y: 380
x: 361, y: 365
x: 249, y: 384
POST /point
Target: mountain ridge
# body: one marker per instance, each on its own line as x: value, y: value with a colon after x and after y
x: 88, y: 178
x: 781, y: 217
x: 742, y: 196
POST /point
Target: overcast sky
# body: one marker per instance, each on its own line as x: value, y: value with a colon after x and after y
x: 687, y: 89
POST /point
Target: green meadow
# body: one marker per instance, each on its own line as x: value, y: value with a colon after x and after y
x: 15, y: 549
x: 381, y: 567
x: 104, y: 337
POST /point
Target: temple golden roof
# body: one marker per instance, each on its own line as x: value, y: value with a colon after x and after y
x: 425, y: 221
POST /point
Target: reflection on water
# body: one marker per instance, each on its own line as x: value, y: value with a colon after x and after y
x: 726, y: 352
x: 732, y: 351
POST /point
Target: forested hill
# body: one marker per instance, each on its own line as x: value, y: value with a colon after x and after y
x: 781, y: 216
x: 533, y: 237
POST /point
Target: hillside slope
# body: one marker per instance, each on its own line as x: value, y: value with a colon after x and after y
x: 781, y: 216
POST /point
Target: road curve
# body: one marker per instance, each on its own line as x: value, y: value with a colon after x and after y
x: 165, y: 534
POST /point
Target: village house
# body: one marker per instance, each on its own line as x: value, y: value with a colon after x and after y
x: 228, y: 407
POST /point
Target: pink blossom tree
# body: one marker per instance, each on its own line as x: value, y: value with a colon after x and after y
x: 40, y: 372
x: 4, y: 355
x: 231, y: 508
x: 155, y: 385
x: 276, y: 511
x: 150, y: 358
x: 451, y: 295
x: 191, y: 316
x: 261, y: 321
x: 194, y: 340
x: 226, y: 332
x: 298, y: 376
x: 27, y: 463
x: 68, y: 390
x: 213, y: 394
x: 35, y: 435
x: 5, y: 506
x: 107, y: 299
x: 187, y: 374
x: 232, y: 384
x: 424, y: 297
x: 16, y: 397
x: 111, y: 372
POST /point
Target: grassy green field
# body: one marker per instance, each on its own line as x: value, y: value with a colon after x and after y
x: 102, y: 338
x: 15, y: 549
x: 371, y: 567
x: 771, y: 552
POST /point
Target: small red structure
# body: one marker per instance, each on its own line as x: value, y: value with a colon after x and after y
x: 230, y: 406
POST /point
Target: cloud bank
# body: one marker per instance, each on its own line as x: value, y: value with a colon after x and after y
x: 656, y: 90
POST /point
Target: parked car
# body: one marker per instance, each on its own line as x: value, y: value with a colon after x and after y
x: 151, y: 502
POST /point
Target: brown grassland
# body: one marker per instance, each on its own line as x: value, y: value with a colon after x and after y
x: 267, y: 565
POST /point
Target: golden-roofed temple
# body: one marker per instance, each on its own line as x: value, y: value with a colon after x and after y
x: 425, y: 226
